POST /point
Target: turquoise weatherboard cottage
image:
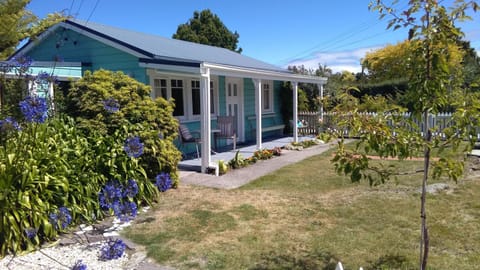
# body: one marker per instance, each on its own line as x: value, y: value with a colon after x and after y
x: 199, y: 78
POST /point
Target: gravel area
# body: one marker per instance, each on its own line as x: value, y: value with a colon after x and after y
x: 63, y: 257
x: 84, y: 244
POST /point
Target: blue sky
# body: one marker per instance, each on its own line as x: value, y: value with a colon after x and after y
x: 280, y: 32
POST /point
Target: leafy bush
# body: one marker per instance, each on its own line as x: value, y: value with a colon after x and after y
x: 106, y: 101
x: 263, y: 154
x: 55, y: 172
x: 46, y: 169
x: 237, y: 162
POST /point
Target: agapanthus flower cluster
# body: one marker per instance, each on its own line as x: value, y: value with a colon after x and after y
x: 163, y: 181
x: 131, y: 189
x: 9, y: 124
x: 63, y: 217
x: 116, y: 197
x: 111, y: 105
x: 133, y: 147
x: 126, y: 211
x: 21, y: 63
x: 31, y: 232
x: 43, y: 77
x: 113, y: 249
x: 79, y: 265
x: 34, y: 109
x: 110, y: 194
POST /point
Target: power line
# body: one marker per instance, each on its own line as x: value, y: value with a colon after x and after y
x: 79, y: 7
x: 93, y: 10
x: 341, y: 40
x: 71, y: 7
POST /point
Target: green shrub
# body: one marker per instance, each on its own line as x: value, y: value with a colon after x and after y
x: 152, y: 120
x: 36, y: 169
x: 237, y: 162
x: 222, y: 167
x: 47, y: 166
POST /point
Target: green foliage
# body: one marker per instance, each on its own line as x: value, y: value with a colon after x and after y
x: 207, y: 28
x: 222, y: 167
x: 46, y: 166
x: 263, y: 154
x: 149, y: 119
x: 434, y: 84
x: 237, y: 162
x: 18, y: 23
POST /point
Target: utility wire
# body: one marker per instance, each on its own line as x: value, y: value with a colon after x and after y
x: 93, y: 10
x: 71, y: 7
x: 339, y: 41
x: 79, y: 7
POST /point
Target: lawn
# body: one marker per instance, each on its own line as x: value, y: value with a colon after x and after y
x: 305, y: 216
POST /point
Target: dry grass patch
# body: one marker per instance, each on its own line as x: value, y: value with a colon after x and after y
x: 305, y: 218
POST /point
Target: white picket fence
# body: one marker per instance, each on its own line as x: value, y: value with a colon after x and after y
x: 436, y: 122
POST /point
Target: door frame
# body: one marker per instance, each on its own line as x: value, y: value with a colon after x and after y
x: 240, y: 104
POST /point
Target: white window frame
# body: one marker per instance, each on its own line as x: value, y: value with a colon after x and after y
x: 267, y: 97
x: 187, y: 95
x: 214, y: 99
x: 168, y: 80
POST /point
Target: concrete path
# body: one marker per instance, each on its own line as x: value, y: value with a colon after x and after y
x: 239, y: 177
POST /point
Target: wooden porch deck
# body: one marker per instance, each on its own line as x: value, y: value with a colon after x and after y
x: 245, y: 150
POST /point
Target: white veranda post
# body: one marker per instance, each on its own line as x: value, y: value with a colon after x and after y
x: 258, y: 111
x: 295, y: 111
x: 205, y: 125
x: 320, y: 87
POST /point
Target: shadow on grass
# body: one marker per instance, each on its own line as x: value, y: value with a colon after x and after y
x: 317, y: 260
x: 391, y: 262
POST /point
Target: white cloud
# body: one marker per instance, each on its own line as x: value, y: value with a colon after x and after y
x: 337, y: 61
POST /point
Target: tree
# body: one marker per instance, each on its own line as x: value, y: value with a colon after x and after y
x: 207, y: 28
x: 433, y: 85
x: 18, y: 24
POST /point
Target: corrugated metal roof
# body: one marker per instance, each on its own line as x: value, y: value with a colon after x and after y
x: 166, y: 48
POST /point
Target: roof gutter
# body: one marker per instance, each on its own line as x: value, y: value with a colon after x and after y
x: 233, y: 71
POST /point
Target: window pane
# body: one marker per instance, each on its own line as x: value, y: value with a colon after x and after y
x: 195, y: 97
x: 266, y: 97
x: 177, y: 94
x: 160, y: 88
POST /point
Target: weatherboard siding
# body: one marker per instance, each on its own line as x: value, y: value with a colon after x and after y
x: 269, y: 119
x: 94, y: 55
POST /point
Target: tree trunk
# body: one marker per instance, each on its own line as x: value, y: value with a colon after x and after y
x: 424, y: 242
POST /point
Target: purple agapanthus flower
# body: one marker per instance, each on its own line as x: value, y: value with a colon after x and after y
x: 43, y: 76
x: 163, y: 181
x: 126, y: 211
x: 113, y: 249
x: 53, y: 218
x: 8, y: 124
x: 21, y: 62
x: 79, y: 265
x: 111, y: 105
x: 133, y: 147
x: 31, y: 232
x: 64, y: 216
x: 131, y: 189
x: 34, y: 109
x: 110, y: 195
